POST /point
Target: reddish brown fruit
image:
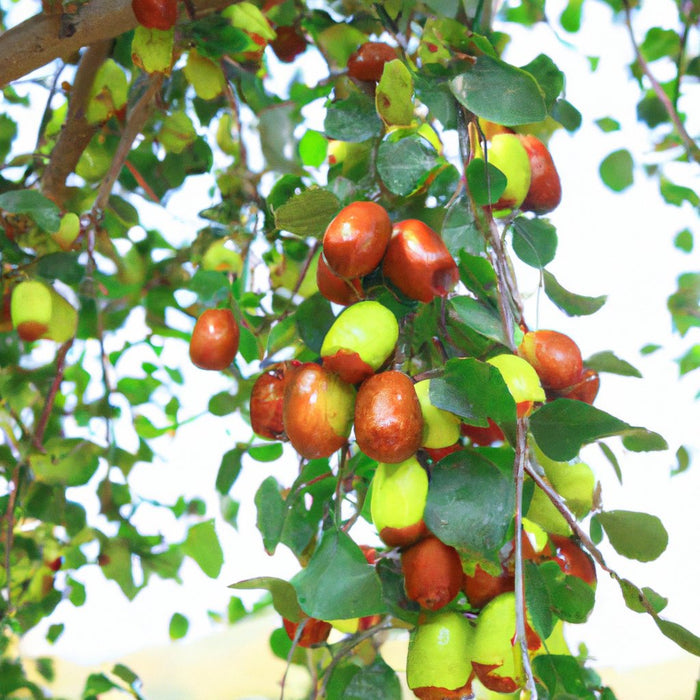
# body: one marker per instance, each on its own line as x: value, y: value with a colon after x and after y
x: 418, y: 263
x: 367, y: 62
x: 155, y: 14
x: 288, y: 44
x: 572, y: 560
x: 483, y: 436
x: 437, y: 453
x: 432, y: 692
x: 555, y: 357
x: 317, y: 411
x: 215, y: 338
x: 388, y: 417
x: 337, y: 289
x: 314, y: 631
x: 356, y: 239
x: 481, y: 587
x: 267, y: 401
x: 586, y: 389
x: 403, y: 536
x: 544, y: 194
x: 432, y: 573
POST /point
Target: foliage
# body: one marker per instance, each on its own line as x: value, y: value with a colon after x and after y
x: 134, y: 119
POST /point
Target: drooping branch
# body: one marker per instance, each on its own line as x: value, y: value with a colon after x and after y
x: 46, y: 37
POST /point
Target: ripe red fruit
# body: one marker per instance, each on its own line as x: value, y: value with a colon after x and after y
x: 572, y: 560
x: 267, y: 400
x: 288, y: 43
x: 432, y: 692
x: 555, y: 357
x: 544, y: 194
x: 437, y: 453
x: 432, y: 573
x: 586, y: 389
x: 337, y: 289
x: 367, y: 62
x: 155, y: 14
x: 314, y: 631
x: 356, y: 239
x: 317, y: 410
x: 418, y: 263
x: 215, y: 338
x: 388, y: 417
x: 483, y: 436
x: 481, y: 587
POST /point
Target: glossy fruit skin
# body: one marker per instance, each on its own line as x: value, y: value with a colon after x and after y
x: 432, y: 573
x: 482, y: 436
x: 155, y: 14
x: 317, y: 410
x: 418, y: 263
x: 367, y: 62
x: 544, y: 194
x: 572, y: 560
x: 585, y: 389
x: 555, y: 357
x: 388, y: 419
x: 288, y: 44
x: 482, y: 587
x: 441, y: 428
x: 38, y: 311
x: 506, y: 153
x: 522, y: 381
x: 360, y: 341
x: 214, y: 341
x: 314, y: 632
x: 439, y: 653
x: 355, y: 240
x: 337, y: 289
x: 399, y: 493
x: 267, y: 402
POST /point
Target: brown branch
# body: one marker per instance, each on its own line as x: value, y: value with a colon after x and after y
x: 76, y: 132
x: 45, y: 37
x: 691, y: 148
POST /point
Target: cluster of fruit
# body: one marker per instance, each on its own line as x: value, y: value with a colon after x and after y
x: 317, y: 405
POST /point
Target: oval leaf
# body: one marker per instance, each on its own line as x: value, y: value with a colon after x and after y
x: 571, y: 304
x: 534, y: 241
x: 637, y: 536
x: 616, y: 170
x: 202, y: 545
x: 308, y: 213
x: 284, y: 597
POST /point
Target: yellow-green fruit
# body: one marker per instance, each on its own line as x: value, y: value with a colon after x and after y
x: 399, y: 492
x: 205, y: 76
x: 64, y: 319
x: 68, y: 231
x: 38, y: 311
x: 108, y: 93
x: 177, y: 132
x: 575, y: 482
x: 440, y: 427
x: 440, y: 651
x: 507, y: 153
x: 284, y: 274
x: 220, y: 257
x: 543, y: 512
x: 520, y: 377
x: 360, y: 340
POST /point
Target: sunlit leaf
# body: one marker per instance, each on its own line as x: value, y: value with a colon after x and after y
x: 570, y: 303
x: 284, y: 597
x: 637, y: 536
x: 202, y: 545
x: 616, y: 170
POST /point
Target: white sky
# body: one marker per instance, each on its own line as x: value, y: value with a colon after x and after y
x: 619, y: 245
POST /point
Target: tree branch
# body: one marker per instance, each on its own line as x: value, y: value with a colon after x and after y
x: 45, y: 37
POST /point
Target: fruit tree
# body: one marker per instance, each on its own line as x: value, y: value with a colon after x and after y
x: 371, y: 187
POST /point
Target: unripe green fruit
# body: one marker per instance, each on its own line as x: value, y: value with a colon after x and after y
x: 68, y: 231
x: 440, y: 428
x: 399, y: 492
x: 219, y: 256
x: 205, y: 76
x: 38, y: 311
x: 439, y: 653
x: 520, y: 378
x: 543, y: 512
x: 360, y: 341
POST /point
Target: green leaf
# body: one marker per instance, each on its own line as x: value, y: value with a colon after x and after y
x: 548, y: 77
x: 61, y: 266
x: 480, y: 317
x: 266, y: 453
x: 534, y: 241
x: 479, y: 277
x: 637, y: 536
x: 353, y: 119
x: 616, y: 170
x: 659, y: 43
x: 570, y: 18
x: 680, y: 635
x: 486, y: 182
x: 572, y: 598
x: 276, y: 126
x: 563, y: 676
x: 338, y: 583
x: 499, y: 92
x: 607, y: 361
x: 610, y: 455
x: 639, y: 600
x: 642, y: 440
x: 460, y: 231
x: 377, y: 681
x: 70, y: 462
x: 307, y: 213
x: 571, y: 304
x: 537, y: 601
x: 32, y: 203
x: 608, y: 124
x: 229, y: 469
x: 313, y: 319
x: 313, y: 148
x: 403, y: 164
x: 684, y: 304
x: 684, y: 240
x: 284, y: 596
x: 563, y: 426
x: 178, y: 627
x: 682, y: 461
x: 470, y: 503
x: 394, y: 94
x: 676, y: 195
x: 202, y: 545
x: 272, y: 511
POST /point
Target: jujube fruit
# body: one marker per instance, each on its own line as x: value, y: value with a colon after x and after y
x: 337, y: 289
x: 432, y: 573
x: 214, y: 341
x: 418, y: 263
x: 38, y: 312
x: 440, y: 427
x: 388, y: 419
x: 317, y: 410
x: 360, y: 341
x: 267, y: 401
x: 155, y: 14
x: 555, y: 357
x: 522, y: 381
x: 367, y: 62
x: 314, y: 631
x: 572, y: 560
x: 288, y: 44
x: 481, y: 587
x: 585, y: 389
x: 355, y: 240
x: 544, y: 193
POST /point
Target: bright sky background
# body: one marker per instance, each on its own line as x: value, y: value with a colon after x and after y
x: 619, y: 245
